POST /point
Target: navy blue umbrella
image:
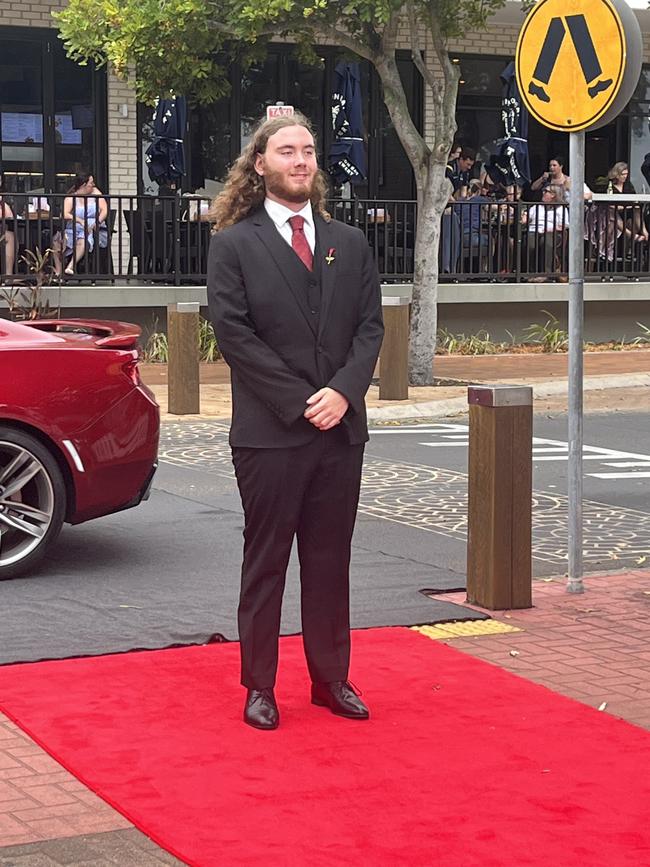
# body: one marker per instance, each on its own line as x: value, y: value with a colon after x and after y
x: 511, y: 164
x: 165, y: 156
x: 347, y: 157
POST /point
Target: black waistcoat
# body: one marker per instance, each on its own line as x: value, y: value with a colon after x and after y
x: 308, y: 281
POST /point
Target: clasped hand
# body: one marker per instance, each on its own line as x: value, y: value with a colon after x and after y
x: 326, y: 408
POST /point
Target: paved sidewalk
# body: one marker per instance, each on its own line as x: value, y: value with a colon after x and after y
x: 594, y: 647
x: 613, y: 381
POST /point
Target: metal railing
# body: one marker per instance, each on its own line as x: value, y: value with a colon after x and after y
x: 107, y: 239
x: 526, y: 242
x: 146, y: 239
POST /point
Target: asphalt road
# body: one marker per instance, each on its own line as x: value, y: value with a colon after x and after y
x: 616, y: 453
x: 167, y: 572
x: 616, y: 482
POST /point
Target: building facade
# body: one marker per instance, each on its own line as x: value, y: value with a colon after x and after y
x: 59, y: 118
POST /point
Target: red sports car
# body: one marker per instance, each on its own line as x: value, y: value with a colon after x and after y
x: 78, y: 431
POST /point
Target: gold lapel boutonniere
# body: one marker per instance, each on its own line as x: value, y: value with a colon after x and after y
x: 331, y: 255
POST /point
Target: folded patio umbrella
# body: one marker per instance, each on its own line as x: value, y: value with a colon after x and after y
x: 347, y: 156
x: 165, y: 156
x: 511, y: 164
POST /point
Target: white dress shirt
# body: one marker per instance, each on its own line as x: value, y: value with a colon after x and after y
x: 548, y: 218
x: 280, y: 215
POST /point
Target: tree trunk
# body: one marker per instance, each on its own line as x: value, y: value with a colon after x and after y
x: 433, y: 195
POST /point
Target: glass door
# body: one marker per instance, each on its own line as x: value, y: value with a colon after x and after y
x: 22, y: 122
x: 74, y: 121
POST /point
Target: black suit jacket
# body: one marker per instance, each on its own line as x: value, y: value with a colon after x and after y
x: 281, y: 350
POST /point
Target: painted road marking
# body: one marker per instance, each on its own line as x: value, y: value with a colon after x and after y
x: 620, y: 475
x: 629, y: 464
x: 544, y: 450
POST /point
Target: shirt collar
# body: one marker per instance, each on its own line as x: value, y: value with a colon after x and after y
x: 280, y: 213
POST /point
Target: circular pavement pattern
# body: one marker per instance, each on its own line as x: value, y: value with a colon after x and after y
x: 435, y: 499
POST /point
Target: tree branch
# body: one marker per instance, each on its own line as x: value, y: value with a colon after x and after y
x: 319, y: 28
x: 341, y: 37
x: 389, y: 36
x: 449, y: 70
x: 420, y: 65
x: 395, y: 100
x: 446, y: 97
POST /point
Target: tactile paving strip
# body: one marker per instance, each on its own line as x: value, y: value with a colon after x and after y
x: 465, y: 629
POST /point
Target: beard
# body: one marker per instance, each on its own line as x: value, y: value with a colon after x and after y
x: 275, y: 183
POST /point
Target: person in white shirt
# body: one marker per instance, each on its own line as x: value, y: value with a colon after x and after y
x: 547, y: 224
x: 295, y: 301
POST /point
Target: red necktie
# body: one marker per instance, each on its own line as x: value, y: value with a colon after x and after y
x: 300, y: 243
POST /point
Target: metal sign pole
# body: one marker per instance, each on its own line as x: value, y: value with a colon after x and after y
x: 583, y: 86
x: 576, y: 328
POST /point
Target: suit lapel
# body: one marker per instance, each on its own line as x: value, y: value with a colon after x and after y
x: 325, y: 249
x: 293, y: 271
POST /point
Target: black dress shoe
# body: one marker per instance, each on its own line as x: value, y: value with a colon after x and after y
x: 260, y: 710
x: 340, y: 698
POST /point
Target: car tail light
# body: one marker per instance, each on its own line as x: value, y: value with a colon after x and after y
x: 132, y: 370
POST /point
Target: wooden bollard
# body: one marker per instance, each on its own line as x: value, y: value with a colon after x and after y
x: 394, y: 354
x: 499, y: 573
x: 183, y: 393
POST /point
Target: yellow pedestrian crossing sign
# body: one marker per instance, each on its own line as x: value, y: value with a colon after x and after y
x: 578, y: 61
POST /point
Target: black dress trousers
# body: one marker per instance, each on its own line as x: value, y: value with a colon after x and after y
x: 311, y: 492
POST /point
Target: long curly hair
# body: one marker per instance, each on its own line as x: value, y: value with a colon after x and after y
x: 244, y: 190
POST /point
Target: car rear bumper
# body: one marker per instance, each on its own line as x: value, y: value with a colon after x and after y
x: 145, y: 493
x: 120, y: 456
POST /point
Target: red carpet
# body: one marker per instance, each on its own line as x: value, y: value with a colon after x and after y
x: 461, y: 765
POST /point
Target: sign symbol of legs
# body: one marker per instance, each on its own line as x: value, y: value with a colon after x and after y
x: 584, y: 46
x: 547, y: 58
x: 585, y: 51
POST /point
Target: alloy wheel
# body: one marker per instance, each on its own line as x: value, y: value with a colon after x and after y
x: 27, y: 503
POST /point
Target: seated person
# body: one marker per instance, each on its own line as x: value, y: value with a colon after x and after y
x: 85, y: 212
x: 458, y: 173
x: 609, y: 227
x: 7, y: 237
x: 546, y: 223
x: 459, y: 170
x: 507, y: 218
x: 474, y: 220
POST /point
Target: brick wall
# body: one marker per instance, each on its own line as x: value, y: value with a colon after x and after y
x: 122, y: 138
x: 32, y: 14
x: 499, y: 41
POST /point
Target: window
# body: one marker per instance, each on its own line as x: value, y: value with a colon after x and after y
x: 21, y: 72
x: 640, y: 131
x: 260, y: 86
x: 51, y: 110
x: 395, y: 176
x: 478, y: 116
x: 218, y: 131
x: 74, y: 120
x: 478, y: 111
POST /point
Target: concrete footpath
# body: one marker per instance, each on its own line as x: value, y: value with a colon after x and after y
x: 613, y: 381
x: 593, y: 647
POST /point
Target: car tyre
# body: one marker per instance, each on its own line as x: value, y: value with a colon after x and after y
x: 38, y: 502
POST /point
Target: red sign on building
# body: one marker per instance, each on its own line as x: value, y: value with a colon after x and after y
x: 273, y: 111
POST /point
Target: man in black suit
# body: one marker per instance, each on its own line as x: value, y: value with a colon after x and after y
x: 295, y: 302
